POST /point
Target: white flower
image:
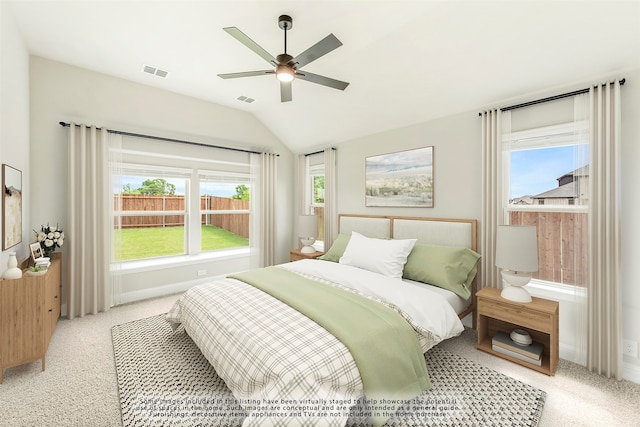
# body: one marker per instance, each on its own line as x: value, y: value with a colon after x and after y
x: 50, y: 237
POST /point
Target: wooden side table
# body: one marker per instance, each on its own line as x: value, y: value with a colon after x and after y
x: 539, y: 318
x: 296, y: 255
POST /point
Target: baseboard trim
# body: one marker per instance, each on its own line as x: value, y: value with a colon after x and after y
x: 631, y: 372
x: 160, y: 291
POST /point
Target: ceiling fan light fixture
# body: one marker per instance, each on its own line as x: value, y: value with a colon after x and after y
x: 284, y: 73
x: 286, y: 66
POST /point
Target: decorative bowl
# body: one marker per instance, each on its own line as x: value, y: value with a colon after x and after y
x: 35, y: 273
x: 521, y: 337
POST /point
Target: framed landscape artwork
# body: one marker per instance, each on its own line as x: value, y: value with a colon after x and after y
x: 401, y: 179
x: 11, y: 207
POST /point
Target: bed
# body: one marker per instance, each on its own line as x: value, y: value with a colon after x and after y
x: 289, y: 368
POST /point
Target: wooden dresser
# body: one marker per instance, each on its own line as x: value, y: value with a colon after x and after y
x: 29, y: 311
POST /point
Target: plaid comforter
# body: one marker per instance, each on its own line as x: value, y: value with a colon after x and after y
x: 283, y: 368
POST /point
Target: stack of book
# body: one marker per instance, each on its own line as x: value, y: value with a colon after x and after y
x: 43, y: 263
x: 531, y: 353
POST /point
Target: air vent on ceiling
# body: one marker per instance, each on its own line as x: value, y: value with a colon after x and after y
x: 245, y: 99
x: 155, y: 71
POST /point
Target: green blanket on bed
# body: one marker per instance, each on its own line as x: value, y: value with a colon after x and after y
x: 382, y: 343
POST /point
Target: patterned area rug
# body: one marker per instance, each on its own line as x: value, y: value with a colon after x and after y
x: 164, y: 380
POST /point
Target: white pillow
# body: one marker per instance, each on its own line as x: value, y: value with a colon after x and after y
x: 386, y: 257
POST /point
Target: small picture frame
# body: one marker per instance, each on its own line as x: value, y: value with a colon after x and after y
x: 36, y: 251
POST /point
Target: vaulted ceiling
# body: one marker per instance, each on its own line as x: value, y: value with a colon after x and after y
x: 406, y: 61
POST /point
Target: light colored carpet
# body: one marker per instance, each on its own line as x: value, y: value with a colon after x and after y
x: 79, y: 387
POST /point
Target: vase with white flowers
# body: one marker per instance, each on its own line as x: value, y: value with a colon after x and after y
x: 50, y: 238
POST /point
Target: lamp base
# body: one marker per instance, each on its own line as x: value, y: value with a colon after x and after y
x: 307, y: 248
x: 516, y: 293
x: 514, y: 290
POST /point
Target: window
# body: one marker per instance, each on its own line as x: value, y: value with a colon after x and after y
x: 316, y: 180
x: 179, y: 200
x: 224, y: 209
x: 547, y: 186
x: 150, y: 215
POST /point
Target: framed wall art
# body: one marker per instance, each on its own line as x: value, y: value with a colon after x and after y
x: 11, y: 207
x: 401, y: 179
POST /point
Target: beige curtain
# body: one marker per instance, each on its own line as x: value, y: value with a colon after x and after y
x: 89, y: 230
x: 330, y: 209
x: 604, y: 346
x: 263, y: 208
x: 304, y: 197
x: 492, y: 213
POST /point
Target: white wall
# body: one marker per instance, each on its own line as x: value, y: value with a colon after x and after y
x: 14, y: 119
x: 61, y: 92
x: 630, y: 250
x: 457, y: 188
x: 456, y: 167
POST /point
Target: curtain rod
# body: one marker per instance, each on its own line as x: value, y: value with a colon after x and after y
x: 160, y: 138
x: 551, y: 98
x: 318, y: 152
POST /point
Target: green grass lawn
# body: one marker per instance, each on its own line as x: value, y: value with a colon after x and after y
x: 137, y: 243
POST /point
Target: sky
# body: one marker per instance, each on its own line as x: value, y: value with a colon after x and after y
x: 536, y: 171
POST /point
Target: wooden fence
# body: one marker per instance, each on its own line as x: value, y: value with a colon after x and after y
x: 562, y: 245
x: 235, y: 223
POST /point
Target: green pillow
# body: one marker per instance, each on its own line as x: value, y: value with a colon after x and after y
x: 337, y: 249
x: 448, y: 267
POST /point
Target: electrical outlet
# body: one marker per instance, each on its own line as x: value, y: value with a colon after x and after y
x: 202, y: 272
x: 630, y: 348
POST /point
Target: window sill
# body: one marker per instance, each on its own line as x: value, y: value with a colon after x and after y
x: 137, y: 266
x: 556, y: 291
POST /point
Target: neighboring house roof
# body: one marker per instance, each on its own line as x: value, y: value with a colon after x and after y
x: 524, y: 200
x: 583, y: 171
x: 571, y: 176
x: 566, y: 191
x: 566, y: 188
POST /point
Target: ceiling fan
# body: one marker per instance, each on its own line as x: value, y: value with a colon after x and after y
x: 287, y: 68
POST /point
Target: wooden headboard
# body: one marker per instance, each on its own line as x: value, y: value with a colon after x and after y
x: 434, y: 231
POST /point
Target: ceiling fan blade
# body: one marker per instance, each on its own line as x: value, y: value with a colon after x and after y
x: 319, y: 49
x: 246, y: 74
x: 245, y: 40
x: 322, y: 80
x: 285, y: 92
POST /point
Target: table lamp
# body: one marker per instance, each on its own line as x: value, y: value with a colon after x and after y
x: 307, y: 231
x: 517, y: 256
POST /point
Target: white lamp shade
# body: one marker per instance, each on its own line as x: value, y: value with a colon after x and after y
x: 308, y: 226
x: 517, y: 248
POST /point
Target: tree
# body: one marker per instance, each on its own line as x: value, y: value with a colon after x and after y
x: 127, y: 189
x: 318, y: 189
x: 153, y: 186
x: 242, y: 192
